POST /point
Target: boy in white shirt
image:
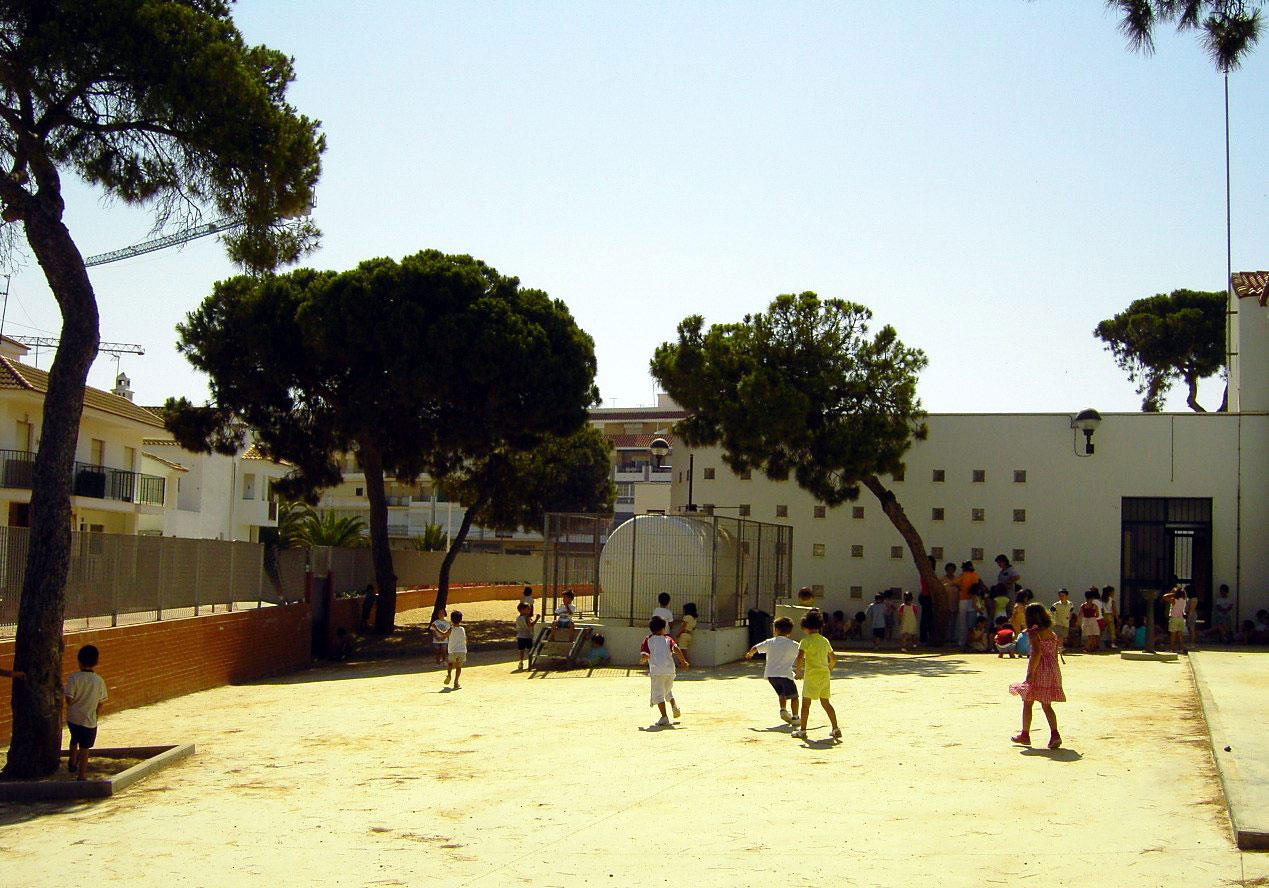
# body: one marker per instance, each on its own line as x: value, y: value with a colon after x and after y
x: 659, y: 651
x: 564, y: 614
x: 663, y: 609
x: 781, y: 652
x: 457, y: 648
x: 85, y: 692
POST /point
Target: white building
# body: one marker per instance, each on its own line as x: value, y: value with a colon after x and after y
x: 1180, y: 494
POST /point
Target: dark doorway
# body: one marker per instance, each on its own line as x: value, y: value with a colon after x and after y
x: 1165, y: 540
x: 19, y: 514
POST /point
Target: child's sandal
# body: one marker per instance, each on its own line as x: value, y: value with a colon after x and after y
x: 1055, y: 740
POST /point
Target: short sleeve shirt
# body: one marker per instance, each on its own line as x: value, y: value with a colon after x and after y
x: 564, y: 613
x: 439, y: 628
x: 522, y: 627
x: 458, y: 640
x: 815, y: 651
x: 782, y: 653
x: 84, y: 690
x: 659, y: 649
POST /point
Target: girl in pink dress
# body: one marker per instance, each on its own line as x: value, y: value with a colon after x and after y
x: 1044, y: 676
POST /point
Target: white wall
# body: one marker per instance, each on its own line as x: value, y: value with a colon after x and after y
x: 1071, y: 535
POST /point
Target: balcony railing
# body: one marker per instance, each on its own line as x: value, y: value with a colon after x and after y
x: 17, y: 469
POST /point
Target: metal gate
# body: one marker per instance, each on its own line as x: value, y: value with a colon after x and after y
x: 571, y: 551
x: 1165, y: 541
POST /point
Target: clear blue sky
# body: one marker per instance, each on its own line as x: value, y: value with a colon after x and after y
x: 992, y: 178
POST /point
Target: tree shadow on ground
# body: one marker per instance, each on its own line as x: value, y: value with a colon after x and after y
x: 854, y: 666
x: 355, y: 668
x: 416, y: 640
x: 12, y: 813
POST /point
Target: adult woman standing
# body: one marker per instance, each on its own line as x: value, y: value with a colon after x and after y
x: 1008, y: 578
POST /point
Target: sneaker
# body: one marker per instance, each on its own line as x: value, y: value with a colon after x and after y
x: 1024, y: 738
x: 837, y: 733
x: 788, y: 717
x: 662, y: 722
x: 674, y: 707
x: 457, y: 686
x: 799, y: 733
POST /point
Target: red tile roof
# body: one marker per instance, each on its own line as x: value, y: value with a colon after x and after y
x: 638, y: 442
x: 1252, y: 285
x: 16, y: 375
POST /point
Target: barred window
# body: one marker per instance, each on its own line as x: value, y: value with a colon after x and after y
x: 980, y: 475
x: 856, y: 551
x: 977, y: 514
x: 820, y: 511
x: 937, y: 553
x: 936, y: 514
x: 857, y: 512
x: 818, y: 549
x: 744, y: 510
x: 896, y: 551
x: 897, y: 476
x: 1019, y: 555
x: 782, y: 511
x: 939, y: 475
x: 708, y: 474
x: 817, y: 589
x: 708, y: 508
x: 975, y: 554
x: 1019, y: 515
x: 856, y: 591
x: 1019, y: 476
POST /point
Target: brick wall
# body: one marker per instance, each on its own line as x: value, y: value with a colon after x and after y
x: 156, y: 661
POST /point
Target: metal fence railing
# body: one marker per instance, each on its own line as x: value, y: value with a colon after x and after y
x: 118, y: 579
x: 571, y: 549
x: 725, y: 566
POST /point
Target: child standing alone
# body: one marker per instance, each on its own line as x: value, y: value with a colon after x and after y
x: 816, y: 660
x: 659, y: 651
x: 782, y: 653
x: 457, y: 648
x: 85, y: 692
x: 1043, y: 684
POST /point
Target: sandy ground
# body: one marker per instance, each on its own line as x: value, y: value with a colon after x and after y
x: 372, y: 774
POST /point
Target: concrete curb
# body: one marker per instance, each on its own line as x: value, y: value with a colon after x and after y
x: 156, y: 759
x: 1251, y: 831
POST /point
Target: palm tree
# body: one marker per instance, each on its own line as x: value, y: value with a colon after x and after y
x: 433, y: 539
x: 1231, y: 27
x: 299, y: 524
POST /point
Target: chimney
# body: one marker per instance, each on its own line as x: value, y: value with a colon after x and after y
x: 123, y: 386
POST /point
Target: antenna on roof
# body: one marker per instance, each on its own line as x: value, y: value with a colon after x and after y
x: 116, y: 349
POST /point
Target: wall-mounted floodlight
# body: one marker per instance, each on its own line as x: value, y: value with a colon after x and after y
x: 1087, y: 422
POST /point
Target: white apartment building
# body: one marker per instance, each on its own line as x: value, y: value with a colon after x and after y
x: 1158, y: 496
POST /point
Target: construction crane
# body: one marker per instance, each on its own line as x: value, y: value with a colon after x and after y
x: 116, y: 349
x: 162, y: 243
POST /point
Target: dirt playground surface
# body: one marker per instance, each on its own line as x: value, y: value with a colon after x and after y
x: 373, y: 774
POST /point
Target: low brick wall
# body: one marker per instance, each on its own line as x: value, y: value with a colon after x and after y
x: 150, y: 662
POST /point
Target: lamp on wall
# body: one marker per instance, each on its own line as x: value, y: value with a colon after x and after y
x: 660, y: 449
x: 1087, y: 422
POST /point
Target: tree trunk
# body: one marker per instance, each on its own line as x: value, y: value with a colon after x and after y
x: 899, y: 519
x: 371, y: 460
x: 442, y: 583
x: 1191, y: 397
x: 37, y: 700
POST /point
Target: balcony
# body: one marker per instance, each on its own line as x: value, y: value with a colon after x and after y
x: 17, y: 469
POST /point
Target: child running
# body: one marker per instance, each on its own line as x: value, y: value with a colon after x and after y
x: 1043, y: 684
x: 659, y: 651
x: 816, y: 660
x: 782, y: 653
x: 85, y: 692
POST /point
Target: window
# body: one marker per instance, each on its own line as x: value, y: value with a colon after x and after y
x: 897, y: 476
x: 818, y: 550
x: 977, y: 514
x: 782, y: 511
x: 746, y: 475
x: 249, y: 486
x: 937, y: 553
x: 857, y: 512
x: 817, y: 589
x: 939, y: 474
x: 130, y: 458
x: 975, y: 554
x: 1019, y: 476
x: 936, y: 514
x: 856, y: 551
x: 820, y: 511
x: 97, y: 452
x: 1019, y: 555
x: 896, y: 551
x: 856, y: 591
x: 1019, y: 515
x: 708, y: 474
x: 708, y: 508
x: 744, y: 510
x: 361, y: 491
x: 980, y: 476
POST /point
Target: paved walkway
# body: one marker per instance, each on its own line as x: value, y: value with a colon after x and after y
x: 1234, y: 689
x: 370, y: 774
